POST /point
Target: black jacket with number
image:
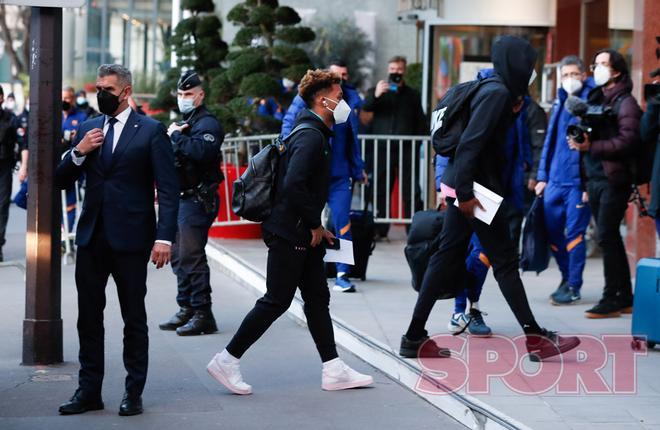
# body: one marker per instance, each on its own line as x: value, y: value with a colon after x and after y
x: 303, y: 181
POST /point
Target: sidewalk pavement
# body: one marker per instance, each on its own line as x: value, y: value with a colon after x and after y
x: 283, y: 368
x: 383, y: 305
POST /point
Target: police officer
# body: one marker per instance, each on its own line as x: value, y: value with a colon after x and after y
x: 7, y: 163
x: 21, y: 125
x: 196, y: 141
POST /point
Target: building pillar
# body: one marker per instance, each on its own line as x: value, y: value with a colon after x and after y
x: 641, y: 237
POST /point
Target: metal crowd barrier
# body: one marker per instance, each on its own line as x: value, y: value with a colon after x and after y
x: 408, y: 155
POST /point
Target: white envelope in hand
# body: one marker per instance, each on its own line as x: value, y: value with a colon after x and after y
x: 489, y: 200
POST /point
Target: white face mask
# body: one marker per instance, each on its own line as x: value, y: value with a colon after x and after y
x: 571, y: 85
x: 340, y: 112
x: 10, y: 105
x: 185, y: 105
x: 602, y: 75
x: 532, y: 78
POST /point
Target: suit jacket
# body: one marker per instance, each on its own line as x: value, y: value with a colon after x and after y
x: 124, y: 193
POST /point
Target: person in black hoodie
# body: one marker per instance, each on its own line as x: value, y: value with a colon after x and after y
x: 295, y: 239
x: 479, y: 158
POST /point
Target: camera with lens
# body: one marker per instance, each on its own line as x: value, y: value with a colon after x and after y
x: 577, y: 132
x: 596, y: 121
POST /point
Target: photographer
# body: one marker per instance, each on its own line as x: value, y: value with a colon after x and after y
x: 650, y: 129
x: 397, y: 110
x: 607, y: 154
x: 560, y: 183
x: 196, y: 143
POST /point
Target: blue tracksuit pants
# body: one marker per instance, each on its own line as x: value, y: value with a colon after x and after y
x: 339, y: 200
x: 566, y: 221
x: 477, y: 265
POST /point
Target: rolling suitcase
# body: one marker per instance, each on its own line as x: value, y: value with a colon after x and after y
x: 646, y: 302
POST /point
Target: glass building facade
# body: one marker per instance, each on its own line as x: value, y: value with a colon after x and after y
x: 129, y: 32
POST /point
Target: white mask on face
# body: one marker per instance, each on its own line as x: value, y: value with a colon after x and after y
x: 532, y: 78
x: 185, y: 105
x: 571, y: 85
x: 602, y: 75
x: 340, y: 112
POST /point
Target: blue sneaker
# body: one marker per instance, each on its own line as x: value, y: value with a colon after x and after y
x: 561, y: 289
x: 457, y: 323
x: 477, y: 327
x: 343, y: 285
x: 567, y: 296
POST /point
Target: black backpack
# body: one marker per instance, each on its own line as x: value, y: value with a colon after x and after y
x: 451, y: 115
x: 254, y: 192
x: 423, y: 241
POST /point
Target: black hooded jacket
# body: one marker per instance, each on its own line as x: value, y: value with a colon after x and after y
x: 480, y: 153
x: 303, y: 181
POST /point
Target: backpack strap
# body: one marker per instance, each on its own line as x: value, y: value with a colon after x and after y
x: 299, y: 127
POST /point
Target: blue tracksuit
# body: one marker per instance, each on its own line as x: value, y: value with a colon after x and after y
x: 70, y: 124
x: 346, y: 163
x: 566, y: 216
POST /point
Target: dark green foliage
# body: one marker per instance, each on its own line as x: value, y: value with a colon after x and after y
x: 263, y: 52
x: 260, y: 85
x: 197, y: 43
x: 208, y: 26
x: 413, y: 76
x: 296, y: 72
x: 263, y: 16
x: 245, y: 35
x: 239, y: 14
x: 197, y: 6
x: 284, y: 15
x: 295, y: 34
x: 249, y: 62
x: 290, y: 54
x: 341, y: 38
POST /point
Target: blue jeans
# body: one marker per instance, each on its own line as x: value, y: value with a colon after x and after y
x: 189, y: 261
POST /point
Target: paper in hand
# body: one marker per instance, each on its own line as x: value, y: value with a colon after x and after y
x: 489, y: 200
x: 343, y: 255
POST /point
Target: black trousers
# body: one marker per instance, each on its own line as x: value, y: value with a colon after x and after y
x: 6, y: 171
x: 94, y: 264
x: 290, y: 266
x: 608, y: 205
x: 189, y: 261
x: 446, y: 269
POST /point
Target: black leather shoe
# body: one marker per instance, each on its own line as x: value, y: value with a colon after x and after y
x: 130, y: 405
x: 424, y: 348
x: 202, y: 322
x: 81, y: 403
x: 178, y: 319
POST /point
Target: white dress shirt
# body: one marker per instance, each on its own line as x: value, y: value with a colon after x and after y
x: 122, y: 117
x: 119, y: 127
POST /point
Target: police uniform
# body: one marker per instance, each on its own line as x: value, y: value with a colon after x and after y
x: 7, y: 162
x: 21, y: 125
x: 197, y: 154
x: 70, y: 125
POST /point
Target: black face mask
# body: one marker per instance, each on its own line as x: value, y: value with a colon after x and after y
x: 108, y: 102
x: 395, y: 78
x: 66, y: 106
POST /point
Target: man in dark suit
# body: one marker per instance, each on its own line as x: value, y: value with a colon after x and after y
x: 122, y: 155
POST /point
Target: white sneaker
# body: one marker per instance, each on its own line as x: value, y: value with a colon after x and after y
x: 229, y: 375
x: 338, y: 376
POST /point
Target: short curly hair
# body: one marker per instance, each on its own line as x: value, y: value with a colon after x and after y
x: 314, y: 82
